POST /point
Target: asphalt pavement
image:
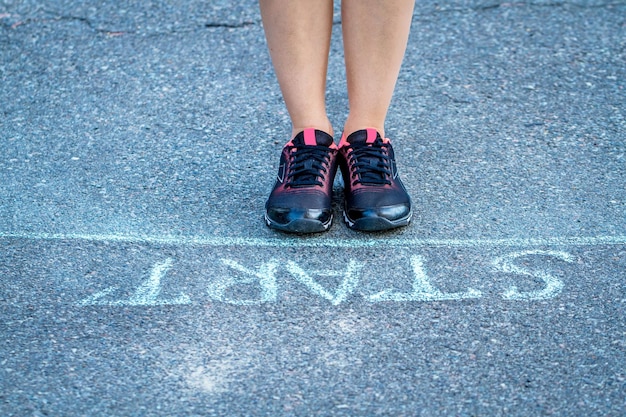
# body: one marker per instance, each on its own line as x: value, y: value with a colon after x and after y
x: 139, y: 141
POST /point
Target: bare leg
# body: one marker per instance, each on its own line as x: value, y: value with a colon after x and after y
x: 375, y: 34
x: 298, y: 36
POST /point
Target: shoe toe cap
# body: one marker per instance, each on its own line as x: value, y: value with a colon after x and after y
x: 392, y: 213
x: 285, y: 216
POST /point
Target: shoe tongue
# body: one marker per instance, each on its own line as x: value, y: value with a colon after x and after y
x: 312, y: 137
x: 363, y: 136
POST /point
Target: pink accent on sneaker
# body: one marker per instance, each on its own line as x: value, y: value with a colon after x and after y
x: 343, y: 141
x: 371, y: 135
x: 309, y: 137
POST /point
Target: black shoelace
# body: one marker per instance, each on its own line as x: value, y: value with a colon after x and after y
x: 371, y: 163
x: 309, y: 166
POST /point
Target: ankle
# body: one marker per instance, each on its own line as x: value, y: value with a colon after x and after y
x: 350, y: 128
x: 324, y: 127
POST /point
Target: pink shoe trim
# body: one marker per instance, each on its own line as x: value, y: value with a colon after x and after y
x: 371, y: 135
x: 343, y: 141
x: 309, y: 137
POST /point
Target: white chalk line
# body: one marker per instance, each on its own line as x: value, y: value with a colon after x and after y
x: 325, y: 242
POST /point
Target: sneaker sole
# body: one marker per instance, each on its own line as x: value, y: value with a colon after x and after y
x: 300, y: 225
x: 376, y: 224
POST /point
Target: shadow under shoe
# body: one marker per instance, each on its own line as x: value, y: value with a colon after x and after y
x: 300, y: 201
x: 375, y: 198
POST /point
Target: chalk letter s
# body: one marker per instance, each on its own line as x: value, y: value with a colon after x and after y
x: 553, y: 285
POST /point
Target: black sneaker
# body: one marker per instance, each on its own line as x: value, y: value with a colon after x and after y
x: 375, y: 198
x: 301, y: 199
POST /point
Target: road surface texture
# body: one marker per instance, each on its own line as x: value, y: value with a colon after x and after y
x: 139, y: 141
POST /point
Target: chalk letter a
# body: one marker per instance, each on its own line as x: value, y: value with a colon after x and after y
x: 347, y: 286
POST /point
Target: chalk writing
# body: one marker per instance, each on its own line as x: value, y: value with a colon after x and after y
x: 346, y: 287
x: 236, y: 282
x: 423, y: 290
x: 266, y: 276
x: 147, y: 294
x: 553, y: 285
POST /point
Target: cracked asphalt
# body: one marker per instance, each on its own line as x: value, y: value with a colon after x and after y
x: 139, y: 141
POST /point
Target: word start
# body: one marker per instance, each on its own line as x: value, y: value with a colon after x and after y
x: 264, y: 279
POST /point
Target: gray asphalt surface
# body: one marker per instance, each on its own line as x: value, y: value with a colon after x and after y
x: 139, y: 141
